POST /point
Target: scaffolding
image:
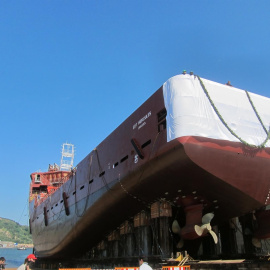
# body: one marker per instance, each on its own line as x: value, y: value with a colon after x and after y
x: 67, y: 157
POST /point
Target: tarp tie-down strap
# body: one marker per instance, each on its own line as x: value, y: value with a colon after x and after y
x: 262, y: 145
x: 254, y: 109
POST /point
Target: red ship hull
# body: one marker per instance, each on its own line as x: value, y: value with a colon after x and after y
x: 134, y: 168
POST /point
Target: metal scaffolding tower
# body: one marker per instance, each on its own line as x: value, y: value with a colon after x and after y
x: 67, y: 157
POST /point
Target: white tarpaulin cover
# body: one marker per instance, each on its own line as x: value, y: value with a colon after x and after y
x: 189, y: 111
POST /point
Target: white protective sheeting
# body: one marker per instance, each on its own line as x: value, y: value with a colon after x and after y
x: 189, y: 112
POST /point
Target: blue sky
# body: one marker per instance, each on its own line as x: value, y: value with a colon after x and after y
x: 72, y: 71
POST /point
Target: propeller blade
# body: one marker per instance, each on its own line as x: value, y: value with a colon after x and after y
x: 247, y: 231
x: 177, y: 230
x: 199, y: 230
x: 207, y: 218
x: 175, y: 227
x: 214, y: 236
x: 206, y: 227
x: 256, y: 242
x: 180, y: 244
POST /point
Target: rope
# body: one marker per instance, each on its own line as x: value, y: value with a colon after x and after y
x: 254, y: 109
x: 100, y: 171
x: 260, y: 146
x: 88, y: 191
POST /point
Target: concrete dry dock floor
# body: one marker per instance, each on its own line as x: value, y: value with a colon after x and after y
x: 253, y: 266
x: 230, y: 265
x: 208, y: 265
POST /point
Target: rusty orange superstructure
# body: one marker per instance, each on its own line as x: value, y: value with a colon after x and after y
x: 43, y: 184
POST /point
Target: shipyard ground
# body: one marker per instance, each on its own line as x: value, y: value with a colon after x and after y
x: 206, y: 266
x: 242, y: 264
x: 231, y: 265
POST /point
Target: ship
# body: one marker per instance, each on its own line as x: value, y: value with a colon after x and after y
x: 184, y: 171
x: 21, y: 248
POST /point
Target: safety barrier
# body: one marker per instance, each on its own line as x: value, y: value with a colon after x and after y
x: 74, y: 268
x: 104, y: 269
x: 186, y: 267
x: 126, y: 268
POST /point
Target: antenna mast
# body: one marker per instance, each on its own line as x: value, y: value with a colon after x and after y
x: 67, y: 157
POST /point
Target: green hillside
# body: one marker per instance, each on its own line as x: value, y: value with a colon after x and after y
x: 12, y: 231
